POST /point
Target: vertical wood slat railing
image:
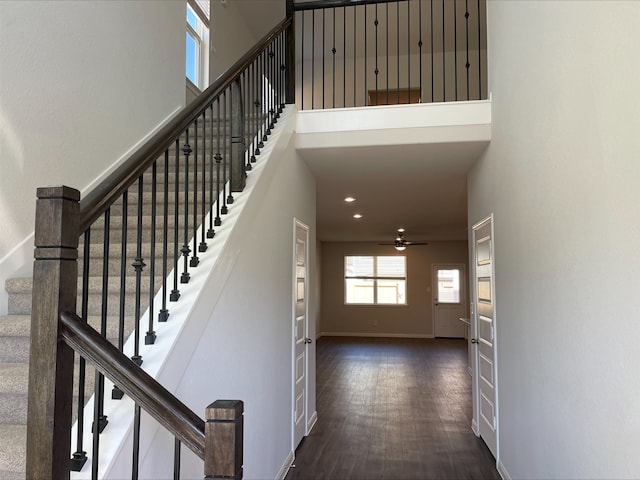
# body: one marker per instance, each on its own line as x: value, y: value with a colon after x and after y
x: 402, y: 51
x: 189, y: 171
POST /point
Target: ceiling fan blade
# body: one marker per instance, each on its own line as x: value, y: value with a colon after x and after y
x: 416, y: 243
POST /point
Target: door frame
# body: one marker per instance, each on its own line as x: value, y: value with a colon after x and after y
x: 297, y: 224
x: 475, y: 387
x: 434, y: 290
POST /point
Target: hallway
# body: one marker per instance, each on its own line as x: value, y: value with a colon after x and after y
x: 394, y: 409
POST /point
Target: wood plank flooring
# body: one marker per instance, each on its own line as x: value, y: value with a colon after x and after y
x: 392, y: 409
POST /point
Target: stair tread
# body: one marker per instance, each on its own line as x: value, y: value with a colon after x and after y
x: 14, y: 377
x: 13, y: 445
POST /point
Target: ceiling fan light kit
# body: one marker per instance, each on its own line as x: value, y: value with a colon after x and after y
x: 400, y: 244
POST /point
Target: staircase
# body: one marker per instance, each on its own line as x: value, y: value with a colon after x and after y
x: 15, y: 327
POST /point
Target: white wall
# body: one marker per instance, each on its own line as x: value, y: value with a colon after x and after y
x: 80, y: 84
x: 236, y: 26
x: 240, y: 346
x: 561, y: 177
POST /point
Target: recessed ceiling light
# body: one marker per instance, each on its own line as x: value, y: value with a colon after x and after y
x: 357, y: 216
x: 349, y: 199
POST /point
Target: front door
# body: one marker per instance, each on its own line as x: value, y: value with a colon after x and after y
x: 485, y: 411
x: 300, y: 332
x: 448, y: 300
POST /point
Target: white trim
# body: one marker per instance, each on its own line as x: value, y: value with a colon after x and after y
x: 374, y: 335
x: 284, y: 469
x: 474, y: 333
x: 474, y: 427
x: 312, y: 422
x: 502, y: 470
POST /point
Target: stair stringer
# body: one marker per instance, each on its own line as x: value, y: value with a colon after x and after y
x: 170, y: 356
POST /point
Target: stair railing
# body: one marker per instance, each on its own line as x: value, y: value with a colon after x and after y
x: 355, y: 53
x: 138, y: 237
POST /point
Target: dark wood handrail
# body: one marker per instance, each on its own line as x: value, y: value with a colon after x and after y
x: 104, y: 195
x: 321, y: 4
x: 156, y: 400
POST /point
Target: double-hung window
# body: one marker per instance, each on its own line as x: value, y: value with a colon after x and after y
x: 197, y: 61
x: 375, y: 280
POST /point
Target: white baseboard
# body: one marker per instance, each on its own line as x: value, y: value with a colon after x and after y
x: 285, y: 466
x: 373, y: 335
x: 474, y: 427
x: 503, y: 471
x: 312, y: 422
x: 469, y: 371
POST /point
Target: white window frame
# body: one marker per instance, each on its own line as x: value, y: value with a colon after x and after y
x: 375, y: 278
x: 201, y: 36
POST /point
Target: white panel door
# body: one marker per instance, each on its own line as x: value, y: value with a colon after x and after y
x: 484, y: 319
x: 300, y: 339
x: 448, y: 300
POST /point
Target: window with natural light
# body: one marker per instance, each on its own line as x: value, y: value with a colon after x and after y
x: 375, y: 280
x: 197, y: 43
x: 449, y: 286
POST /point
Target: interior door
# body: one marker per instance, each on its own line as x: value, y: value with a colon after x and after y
x: 485, y: 413
x: 300, y: 340
x: 448, y: 300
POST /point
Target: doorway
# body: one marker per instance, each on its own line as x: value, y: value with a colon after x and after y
x: 300, y: 326
x: 449, y: 300
x: 485, y: 409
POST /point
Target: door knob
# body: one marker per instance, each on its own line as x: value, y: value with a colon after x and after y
x: 474, y: 340
x: 307, y: 340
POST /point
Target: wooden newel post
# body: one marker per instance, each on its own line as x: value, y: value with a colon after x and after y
x: 55, y: 277
x: 224, y: 439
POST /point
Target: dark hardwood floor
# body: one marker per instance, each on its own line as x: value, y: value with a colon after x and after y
x: 392, y: 409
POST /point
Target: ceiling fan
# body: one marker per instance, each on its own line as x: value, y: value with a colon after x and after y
x: 400, y: 243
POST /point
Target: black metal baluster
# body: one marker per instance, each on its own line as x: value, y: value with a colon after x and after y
x: 420, y: 45
x: 186, y: 150
x: 344, y: 57
x: 150, y: 337
x: 479, y: 55
x: 218, y: 157
x: 283, y: 72
x: 231, y: 160
x: 163, y: 314
x: 398, y: 48
x: 333, y: 51
x: 116, y: 392
x: 264, y: 101
x: 376, y: 71
x: 211, y: 232
x: 175, y: 293
x: 444, y: 83
x: 224, y: 210
x: 323, y: 55
x: 387, y: 51
x: 254, y: 116
x: 79, y: 457
x: 432, y: 60
x: 355, y: 43
x: 302, y: 62
x: 366, y: 72
x: 271, y: 92
x: 138, y: 265
x: 466, y: 19
x: 455, y: 47
x: 194, y: 258
x: 409, y: 52
x: 136, y: 442
x: 176, y: 460
x: 313, y: 58
x: 203, y: 205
